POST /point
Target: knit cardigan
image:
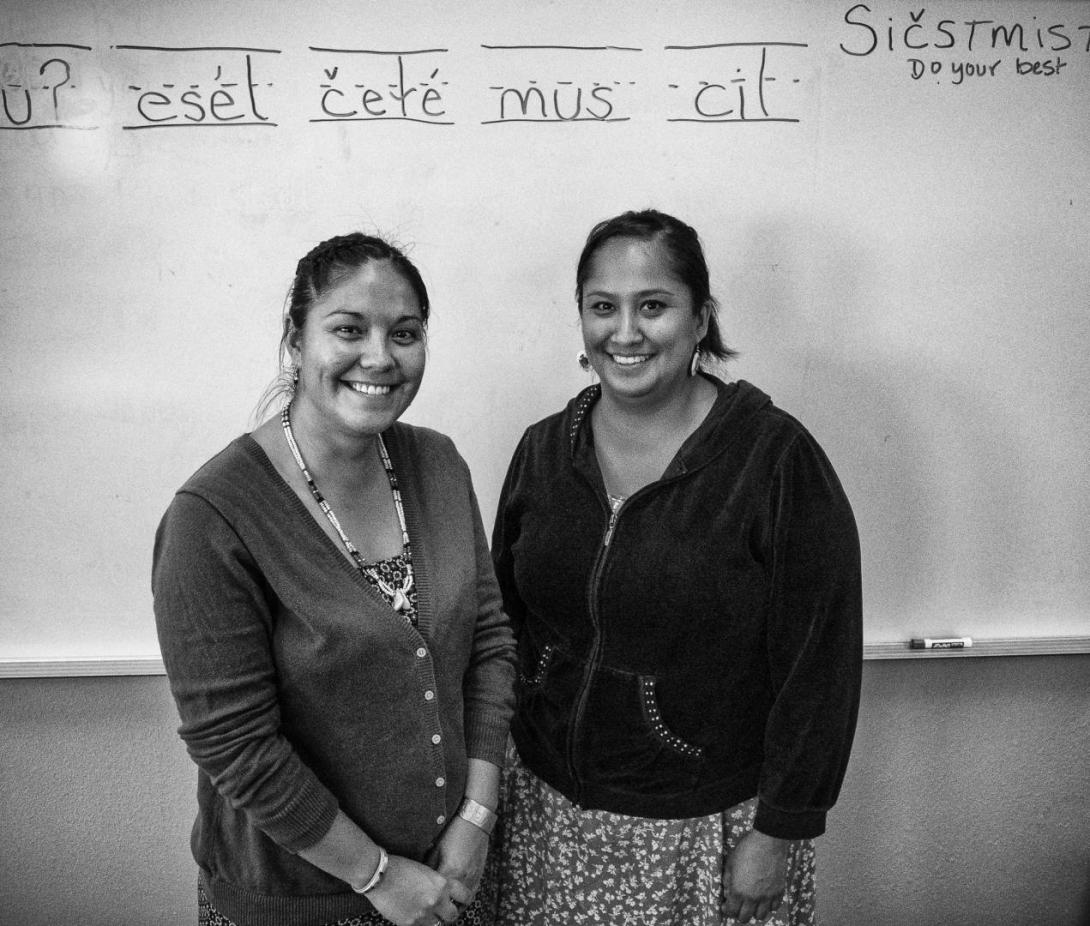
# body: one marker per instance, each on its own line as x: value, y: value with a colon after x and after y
x: 699, y: 647
x: 302, y: 692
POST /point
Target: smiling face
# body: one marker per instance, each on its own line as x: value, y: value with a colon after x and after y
x: 360, y: 352
x: 640, y: 326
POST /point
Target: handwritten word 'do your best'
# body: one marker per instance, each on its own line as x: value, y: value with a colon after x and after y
x: 217, y: 101
x: 960, y: 71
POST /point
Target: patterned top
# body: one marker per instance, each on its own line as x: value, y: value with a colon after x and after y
x: 389, y: 574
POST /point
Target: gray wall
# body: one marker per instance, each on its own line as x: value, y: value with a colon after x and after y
x: 967, y: 801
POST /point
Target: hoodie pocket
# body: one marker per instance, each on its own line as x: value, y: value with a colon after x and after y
x: 625, y: 744
x: 652, y: 715
x: 533, y: 675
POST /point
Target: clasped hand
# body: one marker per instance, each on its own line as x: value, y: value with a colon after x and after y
x: 414, y: 894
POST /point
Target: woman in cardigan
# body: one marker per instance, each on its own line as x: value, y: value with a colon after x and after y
x: 681, y: 567
x: 333, y: 633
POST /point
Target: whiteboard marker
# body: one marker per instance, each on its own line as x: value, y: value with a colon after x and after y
x: 942, y: 643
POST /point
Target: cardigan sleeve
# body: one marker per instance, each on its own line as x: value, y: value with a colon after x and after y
x: 215, y: 629
x: 814, y: 644
x: 489, y: 687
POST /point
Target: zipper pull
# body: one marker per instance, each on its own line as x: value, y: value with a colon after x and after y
x: 612, y: 524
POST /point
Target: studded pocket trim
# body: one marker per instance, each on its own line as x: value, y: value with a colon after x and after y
x: 663, y: 734
x: 540, y: 669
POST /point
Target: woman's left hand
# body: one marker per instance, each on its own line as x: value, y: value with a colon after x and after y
x: 755, y: 877
x: 460, y: 853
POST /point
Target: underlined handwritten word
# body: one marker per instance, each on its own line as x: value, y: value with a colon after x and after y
x: 39, y: 86
x: 366, y: 85
x: 737, y: 82
x: 559, y: 84
x: 195, y: 86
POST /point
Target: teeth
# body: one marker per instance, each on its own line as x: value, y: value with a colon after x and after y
x: 368, y: 389
x: 628, y: 361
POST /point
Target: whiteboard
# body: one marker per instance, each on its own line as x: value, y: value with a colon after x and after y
x: 893, y: 200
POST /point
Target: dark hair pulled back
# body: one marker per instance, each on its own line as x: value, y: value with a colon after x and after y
x: 324, y: 266
x: 328, y: 263
x: 683, y: 250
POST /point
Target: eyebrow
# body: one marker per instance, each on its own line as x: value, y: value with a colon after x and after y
x: 642, y: 294
x: 351, y: 313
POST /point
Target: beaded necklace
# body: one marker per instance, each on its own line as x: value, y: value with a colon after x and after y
x: 399, y: 596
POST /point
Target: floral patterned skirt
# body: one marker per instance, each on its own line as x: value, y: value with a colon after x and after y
x: 473, y: 915
x: 555, y: 864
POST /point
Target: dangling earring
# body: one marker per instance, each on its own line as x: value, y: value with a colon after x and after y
x: 584, y: 361
x: 694, y: 364
x: 294, y: 377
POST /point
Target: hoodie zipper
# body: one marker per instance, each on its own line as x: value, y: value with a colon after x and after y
x: 595, y: 659
x: 596, y: 653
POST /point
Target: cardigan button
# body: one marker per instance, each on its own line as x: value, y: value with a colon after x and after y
x: 421, y: 652
x: 429, y: 695
x: 436, y: 739
x: 440, y: 781
x: 440, y: 820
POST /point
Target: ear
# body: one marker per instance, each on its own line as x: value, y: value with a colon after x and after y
x: 293, y: 339
x: 704, y: 315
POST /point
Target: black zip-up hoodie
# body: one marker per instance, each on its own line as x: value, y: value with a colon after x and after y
x: 704, y: 644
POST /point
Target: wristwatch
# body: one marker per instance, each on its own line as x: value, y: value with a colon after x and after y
x: 477, y: 814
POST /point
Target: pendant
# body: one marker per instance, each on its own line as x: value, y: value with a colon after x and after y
x: 401, y: 601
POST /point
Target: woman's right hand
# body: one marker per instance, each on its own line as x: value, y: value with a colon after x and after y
x: 755, y: 877
x: 411, y: 894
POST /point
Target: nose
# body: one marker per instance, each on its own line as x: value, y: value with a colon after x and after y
x: 628, y: 327
x: 375, y: 352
